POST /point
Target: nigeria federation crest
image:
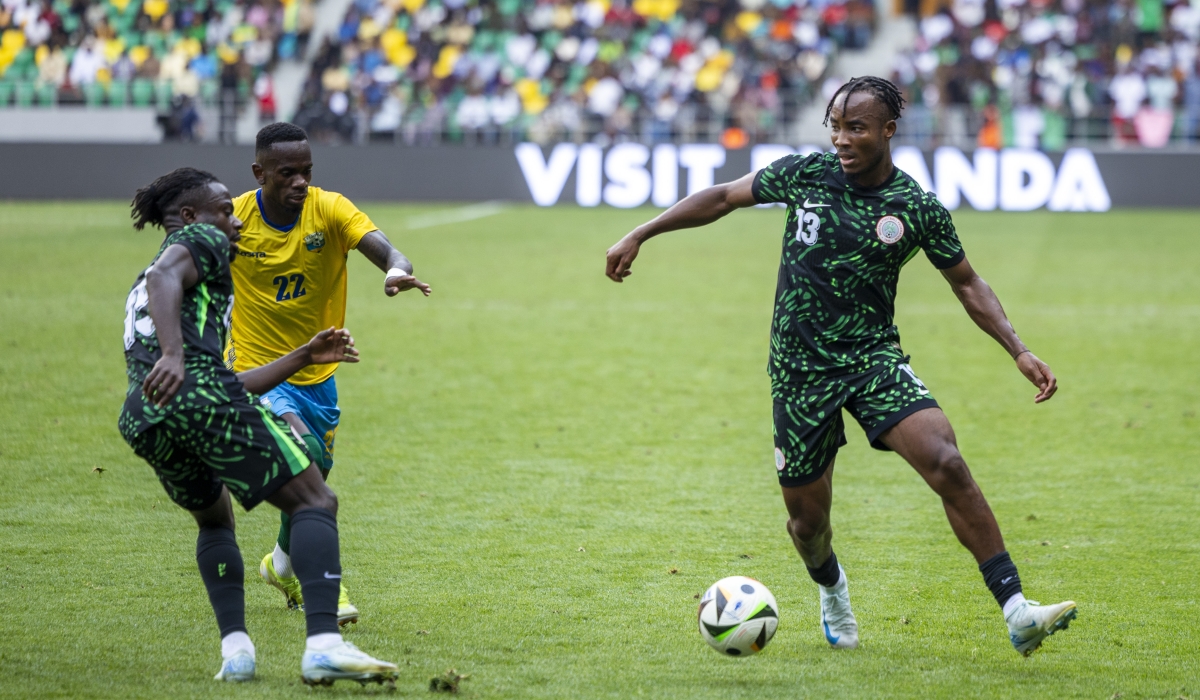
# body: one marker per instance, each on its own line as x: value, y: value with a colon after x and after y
x: 780, y: 462
x: 314, y: 241
x: 889, y: 230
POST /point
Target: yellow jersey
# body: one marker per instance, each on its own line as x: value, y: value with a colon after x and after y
x: 289, y: 282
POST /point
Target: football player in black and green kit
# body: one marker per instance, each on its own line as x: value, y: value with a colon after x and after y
x: 206, y: 437
x: 853, y: 220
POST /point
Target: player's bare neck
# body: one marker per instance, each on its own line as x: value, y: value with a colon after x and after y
x: 874, y: 177
x: 280, y: 213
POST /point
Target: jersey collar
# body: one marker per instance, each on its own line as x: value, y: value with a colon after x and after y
x: 262, y: 212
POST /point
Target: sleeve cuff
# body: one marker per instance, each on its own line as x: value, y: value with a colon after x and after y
x: 756, y: 188
x: 947, y: 264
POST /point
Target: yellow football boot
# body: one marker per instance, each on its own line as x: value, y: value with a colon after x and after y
x: 347, y: 613
x: 289, y: 585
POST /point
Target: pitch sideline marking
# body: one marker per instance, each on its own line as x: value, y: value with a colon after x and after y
x: 470, y: 212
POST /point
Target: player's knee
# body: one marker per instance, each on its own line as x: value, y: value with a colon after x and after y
x: 807, y: 529
x: 949, y: 472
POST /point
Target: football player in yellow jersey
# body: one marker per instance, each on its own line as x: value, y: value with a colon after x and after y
x: 289, y: 282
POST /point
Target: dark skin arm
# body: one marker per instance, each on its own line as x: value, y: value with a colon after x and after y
x: 699, y: 209
x: 379, y: 250
x: 984, y: 309
x: 174, y: 272
x: 329, y: 346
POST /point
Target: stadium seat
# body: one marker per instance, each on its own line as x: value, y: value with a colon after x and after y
x: 24, y: 94
x: 93, y: 95
x: 208, y: 91
x: 47, y: 95
x: 162, y: 91
x: 142, y: 92
x: 118, y: 93
x: 6, y: 92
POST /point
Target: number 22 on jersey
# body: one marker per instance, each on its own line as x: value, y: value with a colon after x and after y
x: 283, y: 282
x: 808, y: 225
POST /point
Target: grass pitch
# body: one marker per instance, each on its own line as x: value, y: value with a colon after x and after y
x: 539, y: 470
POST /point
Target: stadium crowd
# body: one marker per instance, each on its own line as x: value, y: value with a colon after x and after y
x: 424, y: 70
x: 167, y: 53
x: 1034, y: 73
x: 996, y: 73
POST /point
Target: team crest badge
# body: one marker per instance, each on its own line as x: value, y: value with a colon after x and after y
x: 314, y: 241
x: 889, y: 230
x: 780, y: 462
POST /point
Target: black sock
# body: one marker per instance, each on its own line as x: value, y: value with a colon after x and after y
x: 317, y: 563
x: 1000, y: 575
x: 221, y: 567
x: 826, y: 574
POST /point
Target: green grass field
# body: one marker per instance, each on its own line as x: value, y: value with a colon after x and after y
x: 539, y: 470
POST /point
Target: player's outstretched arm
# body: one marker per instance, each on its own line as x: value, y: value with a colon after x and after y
x: 329, y: 346
x: 699, y: 209
x: 984, y: 309
x: 379, y: 250
x: 173, y: 272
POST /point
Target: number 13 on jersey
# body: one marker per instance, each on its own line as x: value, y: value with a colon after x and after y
x: 808, y: 224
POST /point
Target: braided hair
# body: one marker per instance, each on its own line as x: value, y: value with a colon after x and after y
x: 167, y: 195
x: 884, y: 90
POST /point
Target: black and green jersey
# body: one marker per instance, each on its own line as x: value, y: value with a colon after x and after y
x: 843, y: 248
x: 204, y: 319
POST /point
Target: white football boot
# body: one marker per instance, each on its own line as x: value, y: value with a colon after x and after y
x: 1030, y: 622
x: 837, y: 619
x: 345, y: 662
x: 237, y: 668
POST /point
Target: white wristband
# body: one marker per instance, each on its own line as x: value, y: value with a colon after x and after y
x: 396, y: 272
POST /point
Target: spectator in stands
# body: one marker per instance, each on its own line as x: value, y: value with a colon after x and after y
x: 53, y: 68
x: 635, y: 67
x: 1191, y: 102
x: 1128, y: 91
x: 87, y: 62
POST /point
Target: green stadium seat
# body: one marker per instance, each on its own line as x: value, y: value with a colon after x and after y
x: 118, y: 93
x: 93, y: 95
x: 47, y: 95
x: 24, y: 94
x: 162, y: 93
x: 208, y: 91
x: 141, y: 92
x: 6, y: 92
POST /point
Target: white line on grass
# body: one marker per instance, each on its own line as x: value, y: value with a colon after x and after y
x: 454, y: 216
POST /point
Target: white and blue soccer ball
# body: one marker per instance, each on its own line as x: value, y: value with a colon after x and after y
x: 738, y: 616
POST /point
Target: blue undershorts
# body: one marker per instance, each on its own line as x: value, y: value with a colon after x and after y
x: 315, y: 404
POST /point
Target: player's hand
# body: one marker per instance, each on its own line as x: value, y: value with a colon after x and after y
x: 621, y: 257
x: 332, y: 345
x: 394, y: 285
x: 1039, y: 373
x: 164, y: 380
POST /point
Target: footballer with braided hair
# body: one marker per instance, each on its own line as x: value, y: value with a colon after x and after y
x: 853, y: 220
x: 199, y: 427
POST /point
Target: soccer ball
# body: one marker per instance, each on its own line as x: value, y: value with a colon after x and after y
x: 738, y: 616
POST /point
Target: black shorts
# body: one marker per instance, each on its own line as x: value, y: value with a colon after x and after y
x: 240, y: 445
x: 808, y: 416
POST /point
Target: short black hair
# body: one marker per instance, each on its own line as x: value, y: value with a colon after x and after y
x: 884, y: 90
x: 279, y: 132
x: 167, y: 195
